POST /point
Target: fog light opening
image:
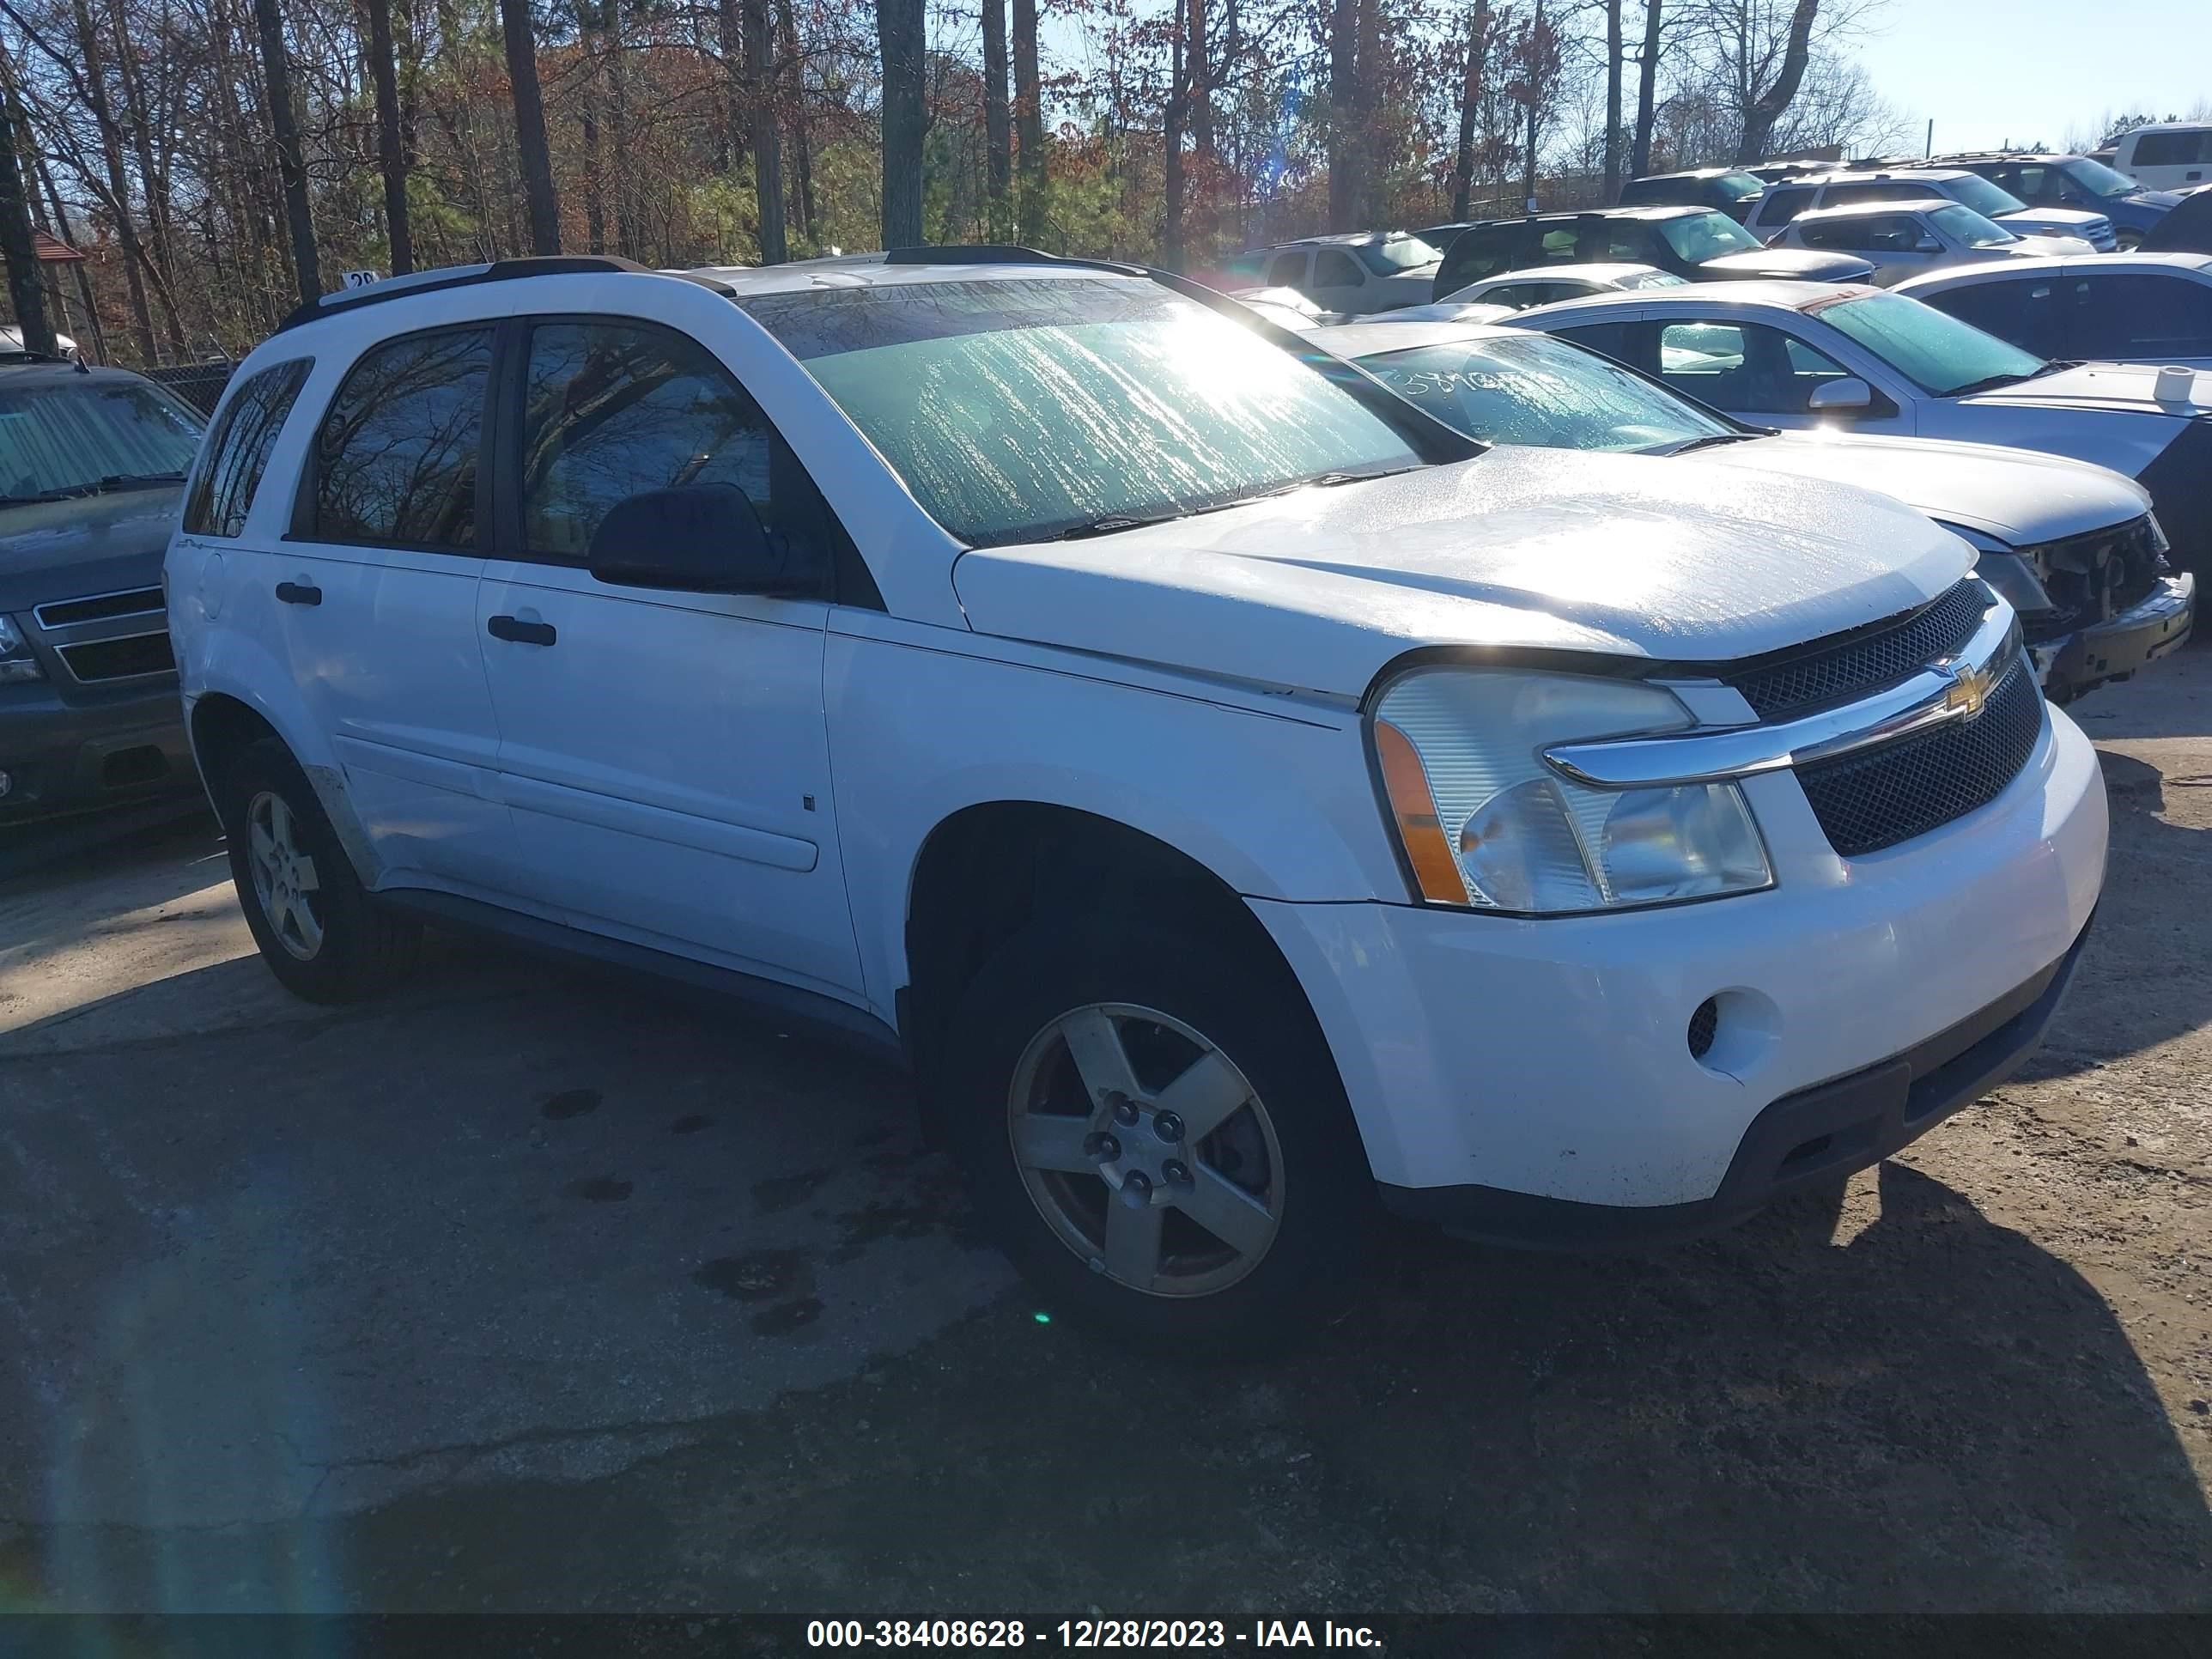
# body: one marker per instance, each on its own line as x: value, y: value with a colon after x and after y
x: 1704, y: 1025
x: 1733, y: 1031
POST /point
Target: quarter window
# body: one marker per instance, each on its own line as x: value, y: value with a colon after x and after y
x: 613, y: 409
x: 238, y: 449
x: 396, y: 457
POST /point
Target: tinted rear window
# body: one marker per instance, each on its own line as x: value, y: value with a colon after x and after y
x: 238, y: 449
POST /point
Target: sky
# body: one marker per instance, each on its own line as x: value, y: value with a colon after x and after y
x: 1989, y: 71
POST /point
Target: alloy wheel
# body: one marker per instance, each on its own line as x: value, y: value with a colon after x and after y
x: 284, y: 879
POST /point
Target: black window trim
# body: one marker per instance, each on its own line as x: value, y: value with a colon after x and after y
x: 211, y: 445
x: 852, y: 583
x: 304, y: 528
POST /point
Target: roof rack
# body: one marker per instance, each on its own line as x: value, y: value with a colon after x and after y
x: 500, y: 271
x: 1001, y: 253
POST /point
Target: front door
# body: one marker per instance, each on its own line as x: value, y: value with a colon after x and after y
x: 1338, y: 282
x: 1756, y: 373
x: 665, y: 755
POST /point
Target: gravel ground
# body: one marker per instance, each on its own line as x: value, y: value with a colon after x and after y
x: 535, y: 1288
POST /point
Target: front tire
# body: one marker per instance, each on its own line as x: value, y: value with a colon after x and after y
x: 321, y: 933
x: 1153, y: 1129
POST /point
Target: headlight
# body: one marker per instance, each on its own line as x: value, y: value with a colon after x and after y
x: 16, y: 662
x: 1485, y: 823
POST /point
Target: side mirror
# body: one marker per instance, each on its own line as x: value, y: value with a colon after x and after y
x: 1928, y: 244
x: 1840, y: 395
x: 700, y: 539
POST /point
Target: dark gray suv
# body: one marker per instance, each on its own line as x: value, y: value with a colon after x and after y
x: 92, y: 462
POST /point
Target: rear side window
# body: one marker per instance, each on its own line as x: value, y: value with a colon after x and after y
x: 612, y: 410
x: 2140, y: 316
x: 2171, y: 149
x: 396, y: 457
x: 238, y: 449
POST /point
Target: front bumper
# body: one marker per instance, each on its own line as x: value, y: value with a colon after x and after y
x: 2114, y: 649
x: 63, y: 757
x: 1550, y: 1059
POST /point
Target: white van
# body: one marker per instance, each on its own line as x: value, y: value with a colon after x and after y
x: 2171, y: 155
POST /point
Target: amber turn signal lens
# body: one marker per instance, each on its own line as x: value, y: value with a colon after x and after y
x: 1435, y: 870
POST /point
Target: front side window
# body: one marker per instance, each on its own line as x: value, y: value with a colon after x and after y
x: 1707, y: 236
x: 1937, y: 353
x: 1396, y: 253
x: 77, y: 435
x: 1781, y: 205
x: 1963, y: 224
x: 1743, y: 366
x: 1985, y: 198
x: 612, y: 410
x: 238, y: 449
x: 1289, y: 269
x: 1020, y: 410
x: 1334, y: 268
x: 1478, y: 253
x: 396, y: 457
x: 1536, y: 390
x: 2024, y: 311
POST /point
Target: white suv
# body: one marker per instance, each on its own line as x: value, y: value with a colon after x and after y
x: 1236, y: 795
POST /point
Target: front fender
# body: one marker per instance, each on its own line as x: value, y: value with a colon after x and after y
x: 1277, y: 806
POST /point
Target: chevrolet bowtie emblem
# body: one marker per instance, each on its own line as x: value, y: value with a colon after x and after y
x: 1969, y: 689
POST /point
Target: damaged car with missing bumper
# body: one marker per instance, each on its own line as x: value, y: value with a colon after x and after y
x: 1243, y: 801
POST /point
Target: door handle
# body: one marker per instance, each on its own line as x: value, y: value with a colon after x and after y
x: 522, y: 633
x: 298, y: 594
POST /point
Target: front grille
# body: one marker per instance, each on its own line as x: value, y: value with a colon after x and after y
x: 1854, y: 665
x: 100, y: 607
x: 2097, y: 575
x: 118, y: 660
x: 1880, y: 797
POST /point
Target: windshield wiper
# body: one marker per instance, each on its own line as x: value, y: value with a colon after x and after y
x: 1708, y: 441
x: 136, y: 481
x: 1114, y: 523
x: 1989, y: 383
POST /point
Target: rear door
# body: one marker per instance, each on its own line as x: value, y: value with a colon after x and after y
x: 665, y: 755
x: 375, y: 590
x: 2144, y: 317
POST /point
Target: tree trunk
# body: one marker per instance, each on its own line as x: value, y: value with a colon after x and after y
x: 1029, y: 124
x: 1761, y: 113
x: 729, y: 35
x: 618, y: 129
x: 1478, y: 50
x: 1647, y: 89
x: 899, y: 34
x: 767, y: 143
x: 1530, y: 131
x: 156, y: 242
x: 1171, y: 153
x: 119, y: 185
x: 1614, y: 65
x: 802, y: 144
x: 998, y: 136
x: 529, y: 124
x: 18, y: 249
x: 83, y: 280
x: 390, y: 156
x: 595, y: 210
x: 290, y: 161
x: 1344, y: 145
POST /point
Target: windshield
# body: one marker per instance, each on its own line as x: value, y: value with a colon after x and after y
x: 2098, y: 178
x: 1738, y: 187
x: 1396, y: 253
x: 1936, y: 352
x: 1019, y: 410
x: 1991, y: 201
x: 1536, y: 390
x: 1652, y: 279
x: 1969, y: 226
x: 65, y: 436
x: 1707, y: 236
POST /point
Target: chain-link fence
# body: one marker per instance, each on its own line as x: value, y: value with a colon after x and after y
x: 199, y: 385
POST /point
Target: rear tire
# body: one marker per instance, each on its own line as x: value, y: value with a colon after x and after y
x: 1243, y: 1213
x: 322, y: 934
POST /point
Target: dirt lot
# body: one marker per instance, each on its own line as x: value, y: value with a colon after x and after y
x: 535, y: 1288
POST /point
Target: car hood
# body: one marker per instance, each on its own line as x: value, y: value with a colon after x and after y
x: 89, y: 545
x: 2020, y: 497
x: 2062, y: 221
x: 1801, y: 263
x: 1636, y: 556
x: 2034, y: 244
x: 2102, y: 386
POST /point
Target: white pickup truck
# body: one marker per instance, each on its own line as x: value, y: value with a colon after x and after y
x: 1240, y: 798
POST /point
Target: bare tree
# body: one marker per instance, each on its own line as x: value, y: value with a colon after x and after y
x: 291, y: 161
x: 520, y: 40
x: 17, y: 246
x: 1647, y: 84
x: 1346, y: 162
x: 768, y: 144
x: 1614, y: 63
x: 1470, y: 99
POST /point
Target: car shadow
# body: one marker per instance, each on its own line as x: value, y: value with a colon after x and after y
x: 2145, y: 978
